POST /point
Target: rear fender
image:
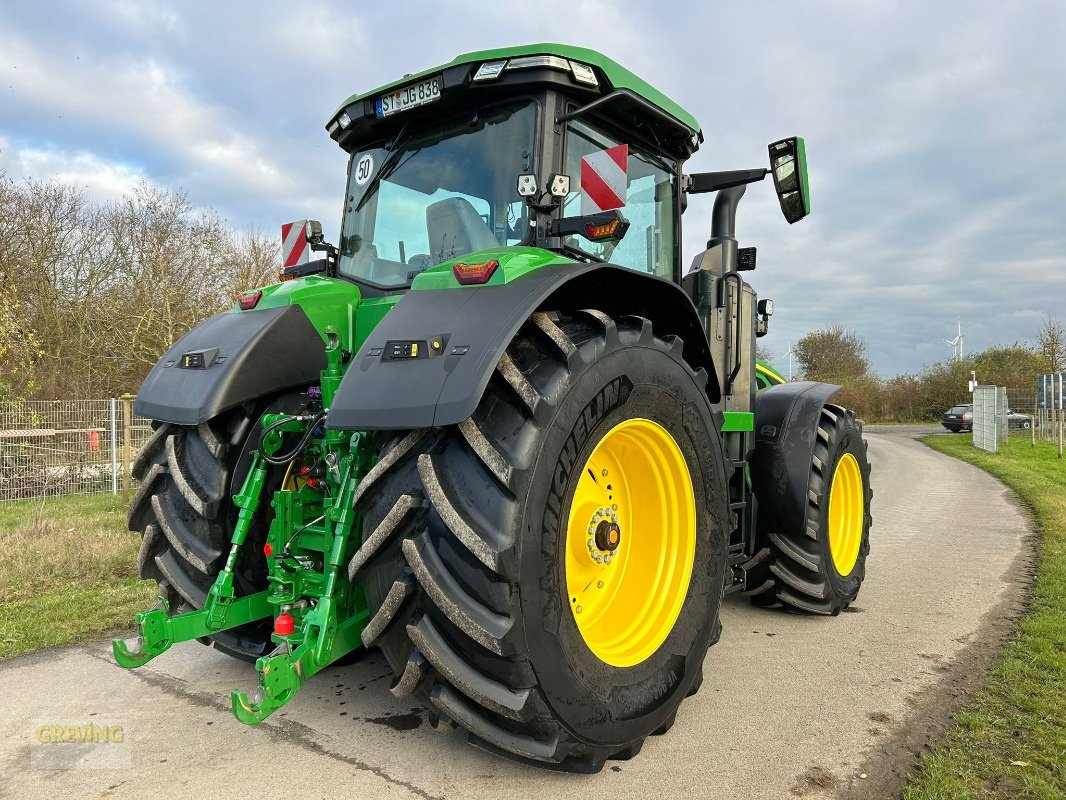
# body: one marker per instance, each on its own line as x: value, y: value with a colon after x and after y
x: 460, y: 334
x: 235, y: 357
x: 786, y: 428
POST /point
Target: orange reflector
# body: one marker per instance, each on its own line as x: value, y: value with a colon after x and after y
x: 250, y: 300
x: 471, y: 274
x: 604, y: 231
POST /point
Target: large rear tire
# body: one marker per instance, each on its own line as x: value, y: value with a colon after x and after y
x: 820, y: 568
x: 184, y: 512
x: 473, y: 541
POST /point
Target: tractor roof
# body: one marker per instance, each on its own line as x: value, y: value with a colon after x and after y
x: 615, y: 75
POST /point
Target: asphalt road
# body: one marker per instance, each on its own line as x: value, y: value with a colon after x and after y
x: 791, y: 705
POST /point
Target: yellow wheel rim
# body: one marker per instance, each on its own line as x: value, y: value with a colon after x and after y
x: 846, y: 514
x: 630, y: 542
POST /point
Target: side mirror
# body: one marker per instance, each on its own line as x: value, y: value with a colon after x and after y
x: 788, y: 163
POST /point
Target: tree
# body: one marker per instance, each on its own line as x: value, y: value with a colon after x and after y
x: 1016, y: 366
x: 19, y: 348
x: 1051, y: 342
x: 832, y: 355
x: 92, y: 293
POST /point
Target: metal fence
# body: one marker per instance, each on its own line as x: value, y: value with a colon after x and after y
x: 60, y: 447
x: 1050, y: 407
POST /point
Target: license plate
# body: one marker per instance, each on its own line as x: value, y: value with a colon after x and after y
x: 417, y: 94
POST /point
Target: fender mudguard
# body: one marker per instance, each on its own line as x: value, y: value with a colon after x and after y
x: 229, y: 359
x: 786, y: 427
x: 427, y: 363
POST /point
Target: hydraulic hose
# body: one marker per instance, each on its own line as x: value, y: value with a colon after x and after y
x: 281, y: 460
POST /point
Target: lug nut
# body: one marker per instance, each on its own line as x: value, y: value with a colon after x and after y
x: 599, y: 584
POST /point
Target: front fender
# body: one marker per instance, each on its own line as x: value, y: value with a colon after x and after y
x: 786, y: 428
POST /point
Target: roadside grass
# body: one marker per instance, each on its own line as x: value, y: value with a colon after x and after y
x: 66, y: 571
x: 1010, y: 741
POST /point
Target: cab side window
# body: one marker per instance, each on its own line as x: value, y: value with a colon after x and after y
x: 604, y: 174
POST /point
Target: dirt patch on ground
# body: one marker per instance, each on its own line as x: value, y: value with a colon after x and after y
x: 815, y: 779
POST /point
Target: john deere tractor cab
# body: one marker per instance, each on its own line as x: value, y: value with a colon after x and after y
x: 501, y: 431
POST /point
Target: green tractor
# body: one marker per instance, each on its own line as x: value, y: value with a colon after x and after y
x: 499, y: 431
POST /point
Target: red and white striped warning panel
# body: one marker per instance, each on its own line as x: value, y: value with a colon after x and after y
x: 294, y: 249
x: 603, y: 179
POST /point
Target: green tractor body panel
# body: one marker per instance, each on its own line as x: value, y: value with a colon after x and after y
x: 331, y: 303
x: 514, y: 262
x: 328, y: 302
x: 766, y: 376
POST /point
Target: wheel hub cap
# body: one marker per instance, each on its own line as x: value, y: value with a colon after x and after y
x: 608, y: 536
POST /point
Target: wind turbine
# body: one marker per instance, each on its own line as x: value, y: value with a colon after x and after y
x: 956, y: 343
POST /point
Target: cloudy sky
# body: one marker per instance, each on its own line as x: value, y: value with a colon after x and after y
x: 936, y: 132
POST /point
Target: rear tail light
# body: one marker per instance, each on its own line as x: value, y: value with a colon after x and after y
x: 249, y: 300
x: 967, y: 415
x: 473, y: 274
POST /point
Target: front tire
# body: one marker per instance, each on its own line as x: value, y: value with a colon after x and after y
x: 820, y: 568
x: 471, y: 546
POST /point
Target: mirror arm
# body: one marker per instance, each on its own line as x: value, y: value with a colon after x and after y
x: 704, y: 182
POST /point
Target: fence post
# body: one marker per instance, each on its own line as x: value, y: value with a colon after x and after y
x: 114, y: 448
x: 1060, y: 411
x: 1036, y: 415
x: 127, y: 443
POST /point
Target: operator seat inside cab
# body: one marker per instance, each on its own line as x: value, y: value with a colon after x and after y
x: 455, y: 229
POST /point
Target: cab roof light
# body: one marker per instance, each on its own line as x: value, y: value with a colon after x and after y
x: 582, y: 73
x: 474, y: 274
x: 490, y: 70
x: 532, y: 62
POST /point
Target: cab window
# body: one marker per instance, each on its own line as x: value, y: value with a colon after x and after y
x: 649, y: 185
